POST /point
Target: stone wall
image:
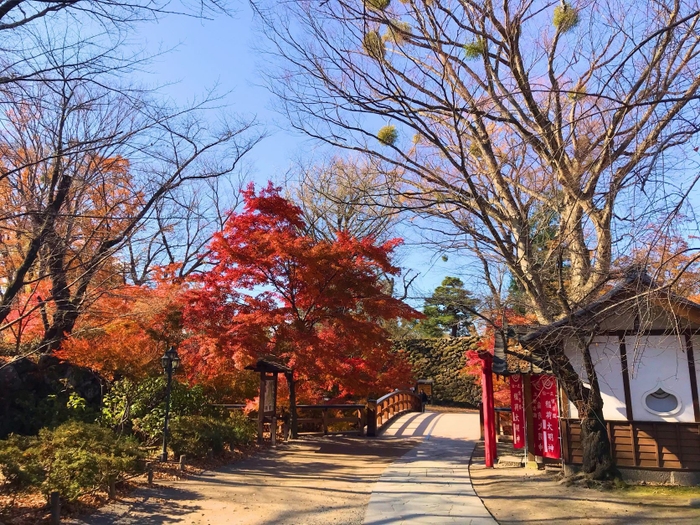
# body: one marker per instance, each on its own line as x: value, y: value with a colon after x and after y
x: 34, y: 394
x: 443, y: 360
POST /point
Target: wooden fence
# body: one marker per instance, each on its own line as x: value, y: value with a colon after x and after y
x: 343, y: 418
x: 327, y: 416
x: 641, y: 444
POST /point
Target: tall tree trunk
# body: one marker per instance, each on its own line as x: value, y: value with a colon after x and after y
x: 595, y: 442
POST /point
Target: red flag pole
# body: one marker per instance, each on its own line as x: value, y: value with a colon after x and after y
x: 490, y: 451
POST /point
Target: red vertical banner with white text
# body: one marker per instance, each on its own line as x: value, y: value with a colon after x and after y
x: 546, y: 416
x: 517, y: 407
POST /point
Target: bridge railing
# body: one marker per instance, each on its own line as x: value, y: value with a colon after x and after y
x: 381, y: 411
x: 327, y: 415
x: 375, y: 415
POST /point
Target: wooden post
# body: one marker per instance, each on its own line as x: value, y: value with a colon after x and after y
x: 325, y: 421
x: 285, y: 429
x: 273, y: 418
x: 490, y: 448
x: 481, y: 420
x: 360, y: 423
x: 292, y: 404
x: 498, y: 426
x: 55, y: 503
x: 112, y: 487
x: 529, y: 419
x: 273, y: 430
x: 371, y: 418
x: 182, y: 463
x: 150, y: 474
x: 261, y: 408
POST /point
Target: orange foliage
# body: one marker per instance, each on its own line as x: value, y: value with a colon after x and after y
x: 126, y: 331
x: 669, y: 260
x: 315, y: 304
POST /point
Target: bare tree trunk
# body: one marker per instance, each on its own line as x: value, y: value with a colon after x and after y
x: 595, y: 442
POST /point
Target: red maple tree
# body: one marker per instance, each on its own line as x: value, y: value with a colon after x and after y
x: 316, y: 305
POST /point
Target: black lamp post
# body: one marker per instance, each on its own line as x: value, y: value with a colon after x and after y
x: 170, y: 361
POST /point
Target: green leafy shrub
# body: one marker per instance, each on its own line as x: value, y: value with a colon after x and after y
x: 379, y: 5
x: 374, y: 45
x: 475, y: 49
x: 565, y: 17
x: 388, y: 135
x: 197, y: 435
x: 18, y: 466
x: 140, y: 407
x: 72, y: 459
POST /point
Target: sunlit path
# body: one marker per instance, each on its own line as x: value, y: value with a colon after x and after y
x: 430, y: 484
x: 416, y: 472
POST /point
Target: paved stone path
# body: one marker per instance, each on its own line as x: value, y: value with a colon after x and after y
x: 430, y: 485
x: 415, y: 474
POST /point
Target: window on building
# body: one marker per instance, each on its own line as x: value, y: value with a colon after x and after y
x: 661, y: 401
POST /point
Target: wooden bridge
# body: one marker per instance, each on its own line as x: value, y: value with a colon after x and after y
x: 365, y: 419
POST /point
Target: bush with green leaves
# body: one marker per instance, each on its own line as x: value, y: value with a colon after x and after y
x: 72, y: 459
x: 140, y: 407
x: 196, y: 436
x: 18, y: 464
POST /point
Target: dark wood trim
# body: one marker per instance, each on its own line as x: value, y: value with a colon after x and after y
x: 529, y: 418
x: 564, y: 433
x: 635, y: 451
x: 565, y: 412
x: 656, y: 331
x: 625, y: 375
x: 657, y: 448
x: 693, y: 376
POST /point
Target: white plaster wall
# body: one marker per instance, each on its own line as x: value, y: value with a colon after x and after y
x: 659, y: 361
x: 605, y: 352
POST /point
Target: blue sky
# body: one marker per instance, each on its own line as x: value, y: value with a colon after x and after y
x: 221, y: 53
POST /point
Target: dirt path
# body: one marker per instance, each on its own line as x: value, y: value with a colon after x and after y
x: 314, y: 481
x: 518, y: 496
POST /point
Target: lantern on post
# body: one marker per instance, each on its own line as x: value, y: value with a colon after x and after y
x: 170, y: 362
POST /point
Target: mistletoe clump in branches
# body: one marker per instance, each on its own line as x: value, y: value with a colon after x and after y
x: 379, y: 5
x: 374, y: 45
x: 565, y: 17
x: 475, y: 49
x: 388, y: 135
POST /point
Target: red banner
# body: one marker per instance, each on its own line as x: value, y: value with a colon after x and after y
x: 517, y: 406
x: 546, y: 416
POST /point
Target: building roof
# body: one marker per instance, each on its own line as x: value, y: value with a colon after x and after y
x: 635, y: 286
x: 269, y: 365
